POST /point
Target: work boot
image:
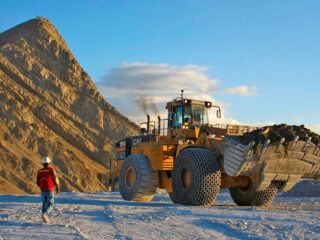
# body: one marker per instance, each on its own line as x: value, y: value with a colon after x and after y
x: 45, y: 218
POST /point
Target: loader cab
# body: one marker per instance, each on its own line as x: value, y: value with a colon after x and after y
x: 186, y: 116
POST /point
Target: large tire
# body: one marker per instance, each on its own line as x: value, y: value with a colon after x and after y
x: 137, y: 181
x: 248, y: 196
x: 173, y: 197
x: 196, y: 178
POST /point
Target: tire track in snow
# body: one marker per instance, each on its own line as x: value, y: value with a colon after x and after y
x: 110, y: 214
x: 225, y: 229
x: 27, y: 218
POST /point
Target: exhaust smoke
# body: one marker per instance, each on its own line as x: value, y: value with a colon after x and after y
x: 147, y: 105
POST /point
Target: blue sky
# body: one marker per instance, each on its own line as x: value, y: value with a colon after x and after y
x: 270, y: 47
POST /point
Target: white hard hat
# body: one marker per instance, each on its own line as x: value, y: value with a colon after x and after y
x: 46, y: 160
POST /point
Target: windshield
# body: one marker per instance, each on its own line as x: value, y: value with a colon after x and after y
x: 196, y: 115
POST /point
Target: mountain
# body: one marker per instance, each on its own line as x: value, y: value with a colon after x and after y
x: 50, y: 106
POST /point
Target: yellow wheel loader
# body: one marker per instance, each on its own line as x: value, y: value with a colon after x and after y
x: 192, y: 159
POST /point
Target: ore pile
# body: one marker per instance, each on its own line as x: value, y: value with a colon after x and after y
x: 276, y: 132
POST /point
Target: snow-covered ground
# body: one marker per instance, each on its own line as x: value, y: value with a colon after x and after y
x: 107, y: 216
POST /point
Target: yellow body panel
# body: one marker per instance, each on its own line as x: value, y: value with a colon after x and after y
x: 165, y: 182
x: 160, y: 155
x: 117, y: 167
x: 121, y: 149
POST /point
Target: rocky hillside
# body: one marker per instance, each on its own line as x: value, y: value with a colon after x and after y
x: 50, y: 106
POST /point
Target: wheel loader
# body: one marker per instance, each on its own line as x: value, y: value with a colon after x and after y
x: 192, y: 160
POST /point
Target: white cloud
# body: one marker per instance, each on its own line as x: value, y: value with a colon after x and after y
x: 316, y: 128
x: 242, y: 90
x: 140, y: 88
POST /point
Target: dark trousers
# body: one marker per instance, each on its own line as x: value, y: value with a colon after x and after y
x: 47, y: 201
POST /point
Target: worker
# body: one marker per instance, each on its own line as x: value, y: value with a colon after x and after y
x: 47, y: 181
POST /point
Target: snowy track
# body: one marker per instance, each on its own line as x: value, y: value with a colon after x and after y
x: 107, y: 216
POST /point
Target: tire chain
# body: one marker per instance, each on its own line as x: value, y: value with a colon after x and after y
x: 205, y: 177
x: 251, y: 197
x: 265, y: 198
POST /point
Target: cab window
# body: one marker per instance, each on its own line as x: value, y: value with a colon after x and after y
x: 200, y: 115
x: 177, y: 117
x: 187, y: 114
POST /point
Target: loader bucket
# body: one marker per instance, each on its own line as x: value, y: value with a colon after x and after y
x: 286, y: 162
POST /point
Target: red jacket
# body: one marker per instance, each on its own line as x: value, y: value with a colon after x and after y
x: 47, y: 179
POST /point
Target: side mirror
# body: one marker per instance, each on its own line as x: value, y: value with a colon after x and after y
x: 219, y: 113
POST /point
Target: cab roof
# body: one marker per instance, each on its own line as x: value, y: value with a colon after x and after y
x: 184, y: 101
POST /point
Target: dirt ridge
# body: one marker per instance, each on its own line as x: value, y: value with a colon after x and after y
x: 50, y: 106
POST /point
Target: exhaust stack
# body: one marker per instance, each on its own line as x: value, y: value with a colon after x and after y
x: 159, y: 124
x: 148, y: 123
